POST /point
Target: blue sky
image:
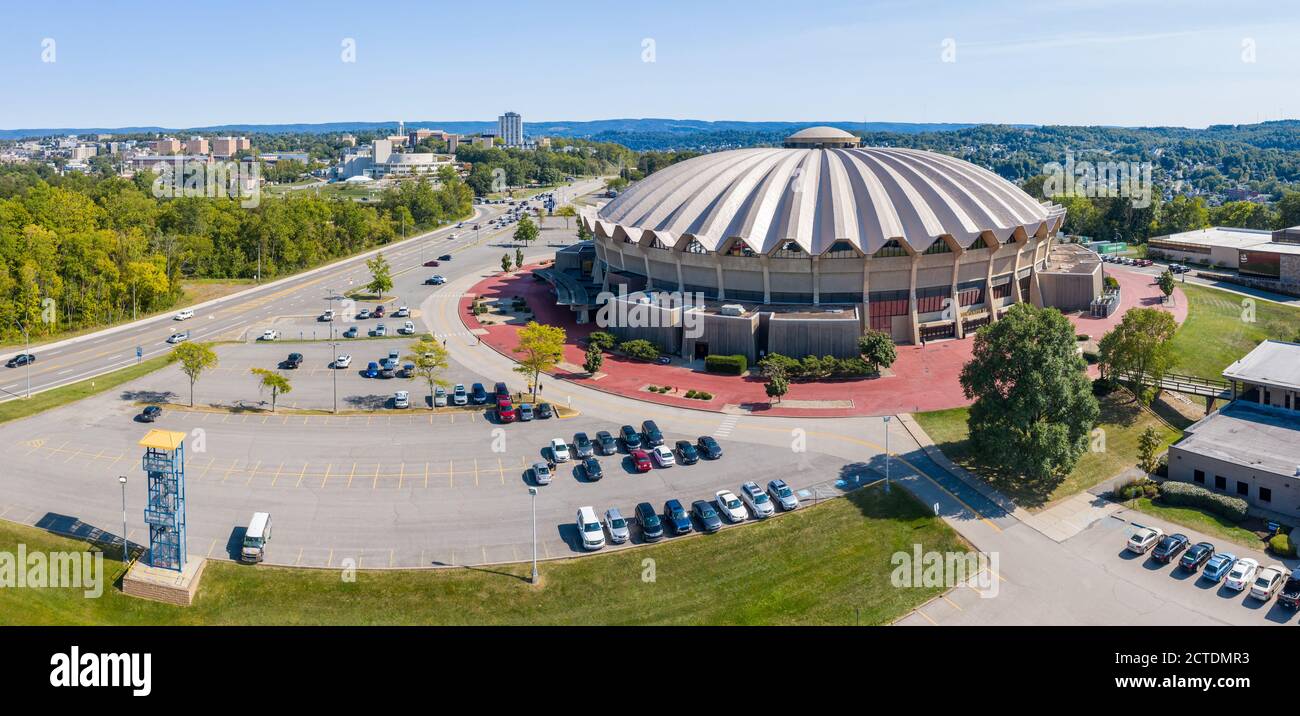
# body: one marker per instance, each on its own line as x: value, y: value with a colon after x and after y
x: 1118, y: 62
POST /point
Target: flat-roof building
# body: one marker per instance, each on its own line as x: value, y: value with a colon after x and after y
x: 1263, y: 259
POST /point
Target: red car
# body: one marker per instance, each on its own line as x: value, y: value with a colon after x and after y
x: 641, y: 461
x: 378, y: 312
x: 505, y: 410
x: 432, y: 262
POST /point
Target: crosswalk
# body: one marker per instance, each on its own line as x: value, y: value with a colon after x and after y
x: 725, y: 427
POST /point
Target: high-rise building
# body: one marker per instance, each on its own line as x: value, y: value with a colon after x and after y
x: 196, y: 145
x: 510, y: 127
x: 169, y: 145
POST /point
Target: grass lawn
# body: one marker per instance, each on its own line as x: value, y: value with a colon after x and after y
x: 1215, y: 333
x: 39, y: 402
x: 1199, y: 520
x: 814, y: 566
x: 1121, y: 419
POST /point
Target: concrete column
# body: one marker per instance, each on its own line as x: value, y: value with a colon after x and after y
x: 681, y: 286
x: 1015, y: 278
x: 957, y: 331
x: 717, y: 266
x: 649, y: 280
x: 866, y: 294
x: 988, y: 288
x: 911, y: 302
x: 817, y: 280
x: 767, y: 278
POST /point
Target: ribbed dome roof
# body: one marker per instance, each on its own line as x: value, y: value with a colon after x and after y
x: 822, y: 132
x: 816, y: 197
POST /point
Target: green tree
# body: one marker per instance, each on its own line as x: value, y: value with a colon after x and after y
x: 275, y: 383
x: 776, y: 387
x: 542, y: 347
x: 505, y: 262
x: 1166, y: 283
x: 194, y: 359
x: 526, y: 231
x: 1033, y: 405
x: 519, y: 258
x: 1148, y: 447
x: 877, y: 349
x: 430, y: 360
x: 1184, y: 213
x: 594, y: 359
x: 1288, y: 210
x: 1140, y: 348
x: 566, y: 212
x: 381, y: 275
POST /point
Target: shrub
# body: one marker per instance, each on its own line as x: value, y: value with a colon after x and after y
x: 691, y: 393
x: 1138, y: 487
x: 640, y: 349
x: 704, y: 396
x: 1281, y: 545
x: 1102, y: 386
x: 604, y: 340
x: 1182, y: 493
x: 726, y: 365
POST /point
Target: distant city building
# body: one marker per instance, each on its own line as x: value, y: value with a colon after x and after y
x: 169, y: 145
x: 349, y: 140
x: 196, y: 145
x: 453, y: 141
x: 510, y: 127
x: 378, y: 160
x: 1267, y: 259
x: 230, y: 146
x: 82, y: 152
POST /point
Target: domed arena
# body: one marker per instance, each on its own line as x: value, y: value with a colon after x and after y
x: 800, y: 249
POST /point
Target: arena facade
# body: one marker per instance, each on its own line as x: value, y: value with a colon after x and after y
x: 800, y: 249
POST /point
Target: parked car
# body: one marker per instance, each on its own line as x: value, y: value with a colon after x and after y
x: 544, y: 411
x: 372, y: 370
x: 402, y: 312
x: 593, y: 535
x: 352, y: 332
x: 1218, y: 565
x: 1242, y: 574
x: 440, y: 397
x: 20, y: 360
x: 541, y: 473
x: 1144, y: 539
x: 269, y: 334
x: 582, y: 445
x: 477, y: 394
x: 408, y: 328
x: 1289, y: 596
x: 1170, y: 547
x: 759, y: 503
x: 293, y: 362
x: 1196, y: 556
x: 675, y: 515
x: 783, y: 495
x: 178, y: 337
x: 401, y: 399
x: 525, y: 412
x: 663, y: 457
x: 653, y: 436
x: 708, y: 517
x: 686, y: 452
x: 559, y: 450
x: 730, y: 506
x: 501, y: 390
x: 1267, y: 581
x: 380, y: 330
x: 363, y: 314
x: 617, y: 526
x: 150, y: 413
x: 652, y: 528
x: 591, y: 469
x: 505, y: 411
x: 640, y: 461
x: 378, y: 312
x: 708, y: 447
x: 342, y: 361
x: 631, y: 438
x: 605, y: 443
x: 435, y: 280
x: 459, y: 396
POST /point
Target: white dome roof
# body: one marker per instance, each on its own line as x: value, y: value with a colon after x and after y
x: 816, y: 197
x: 822, y: 133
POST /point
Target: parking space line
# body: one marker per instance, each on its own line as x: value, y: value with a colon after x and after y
x: 927, y: 617
x: 324, y: 479
x: 253, y: 473
x: 226, y: 476
x: 451, y: 473
x: 211, y: 461
x: 375, y: 484
x: 401, y: 476
x: 426, y: 475
x: 475, y: 472
x: 502, y: 470
x: 954, y: 604
x: 352, y: 474
x: 212, y: 546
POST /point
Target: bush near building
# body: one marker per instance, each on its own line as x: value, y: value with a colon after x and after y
x: 640, y: 349
x: 726, y: 364
x: 1281, y: 545
x: 815, y: 367
x: 1181, y: 493
x: 604, y: 340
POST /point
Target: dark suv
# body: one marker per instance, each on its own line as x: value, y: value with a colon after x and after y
x: 631, y: 438
x: 293, y: 361
x: 1290, y: 594
x: 676, y: 517
x: 652, y: 528
x: 478, y: 395
x: 501, y: 391
x: 1169, y: 547
x: 653, y: 436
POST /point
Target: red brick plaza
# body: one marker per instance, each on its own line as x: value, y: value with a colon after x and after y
x: 923, y: 378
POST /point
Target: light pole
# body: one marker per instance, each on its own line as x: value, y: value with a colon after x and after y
x: 335, y: 374
x: 27, y: 343
x: 533, y: 492
x: 122, y: 481
x: 887, y: 419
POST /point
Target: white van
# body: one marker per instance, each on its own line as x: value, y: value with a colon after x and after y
x: 256, y: 537
x: 589, y: 527
x: 185, y: 314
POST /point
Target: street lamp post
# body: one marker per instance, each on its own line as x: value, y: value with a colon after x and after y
x: 122, y: 481
x: 887, y: 419
x: 334, y: 373
x: 27, y: 343
x: 533, y: 492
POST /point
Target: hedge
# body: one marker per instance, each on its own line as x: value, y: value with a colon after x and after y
x: 639, y: 348
x: 815, y: 367
x: 1182, y: 493
x: 1281, y: 545
x: 727, y: 365
x: 603, y: 340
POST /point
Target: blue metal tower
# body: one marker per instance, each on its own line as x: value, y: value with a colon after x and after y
x: 164, y: 463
